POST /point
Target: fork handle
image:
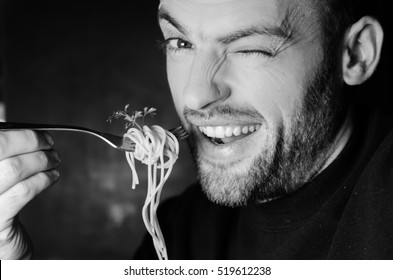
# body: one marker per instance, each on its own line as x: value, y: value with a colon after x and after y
x: 36, y: 126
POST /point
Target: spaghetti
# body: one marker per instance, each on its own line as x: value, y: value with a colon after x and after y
x: 158, y: 149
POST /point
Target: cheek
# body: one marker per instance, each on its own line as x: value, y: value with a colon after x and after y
x: 177, y: 79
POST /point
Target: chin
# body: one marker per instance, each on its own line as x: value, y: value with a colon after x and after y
x: 229, y: 184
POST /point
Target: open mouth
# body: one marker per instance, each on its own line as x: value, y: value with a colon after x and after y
x: 221, y: 135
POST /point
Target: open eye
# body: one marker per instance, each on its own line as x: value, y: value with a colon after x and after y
x: 177, y: 44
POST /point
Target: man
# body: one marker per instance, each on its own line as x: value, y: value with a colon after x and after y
x: 280, y: 153
x: 259, y: 85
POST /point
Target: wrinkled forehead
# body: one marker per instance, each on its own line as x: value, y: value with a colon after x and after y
x: 214, y: 13
x: 208, y: 9
x: 279, y: 3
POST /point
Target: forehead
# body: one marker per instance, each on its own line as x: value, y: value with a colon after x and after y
x: 212, y: 15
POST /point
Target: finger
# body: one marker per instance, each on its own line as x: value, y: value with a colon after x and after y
x: 15, y: 142
x: 15, y: 198
x: 18, y: 168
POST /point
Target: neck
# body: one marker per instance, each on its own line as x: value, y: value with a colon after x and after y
x: 340, y: 140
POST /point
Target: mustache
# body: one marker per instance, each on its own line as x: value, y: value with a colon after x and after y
x: 229, y: 112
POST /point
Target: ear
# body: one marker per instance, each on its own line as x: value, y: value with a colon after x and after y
x: 362, y: 50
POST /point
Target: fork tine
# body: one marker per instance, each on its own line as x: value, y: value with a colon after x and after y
x: 126, y: 145
x: 179, y: 132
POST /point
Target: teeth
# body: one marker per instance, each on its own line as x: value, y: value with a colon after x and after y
x: 220, y: 132
x: 237, y: 131
x: 210, y: 131
x: 227, y: 131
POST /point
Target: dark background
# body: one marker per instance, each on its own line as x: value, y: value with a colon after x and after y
x: 73, y: 63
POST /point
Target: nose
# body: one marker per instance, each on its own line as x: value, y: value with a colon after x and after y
x: 206, y: 83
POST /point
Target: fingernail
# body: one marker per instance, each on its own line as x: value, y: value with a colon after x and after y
x: 49, y: 138
x: 56, y: 156
x: 55, y: 173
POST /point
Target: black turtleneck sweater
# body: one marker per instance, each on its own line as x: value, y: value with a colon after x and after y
x: 346, y: 212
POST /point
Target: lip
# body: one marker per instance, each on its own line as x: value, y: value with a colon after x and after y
x: 228, y: 152
x: 228, y: 131
x: 227, y: 120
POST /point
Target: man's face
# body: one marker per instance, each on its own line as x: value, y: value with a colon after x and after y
x: 240, y: 72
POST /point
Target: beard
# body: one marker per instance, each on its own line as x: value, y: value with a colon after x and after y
x: 290, y: 158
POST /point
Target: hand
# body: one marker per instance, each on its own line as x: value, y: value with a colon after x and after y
x: 27, y: 163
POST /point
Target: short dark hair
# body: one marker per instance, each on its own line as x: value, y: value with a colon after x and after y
x: 338, y: 15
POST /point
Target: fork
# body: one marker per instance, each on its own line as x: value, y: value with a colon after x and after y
x: 115, y: 141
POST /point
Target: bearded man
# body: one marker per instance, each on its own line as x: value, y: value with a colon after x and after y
x: 291, y: 167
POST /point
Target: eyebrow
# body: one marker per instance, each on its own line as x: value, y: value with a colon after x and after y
x: 164, y: 15
x: 275, y: 32
x: 282, y: 31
